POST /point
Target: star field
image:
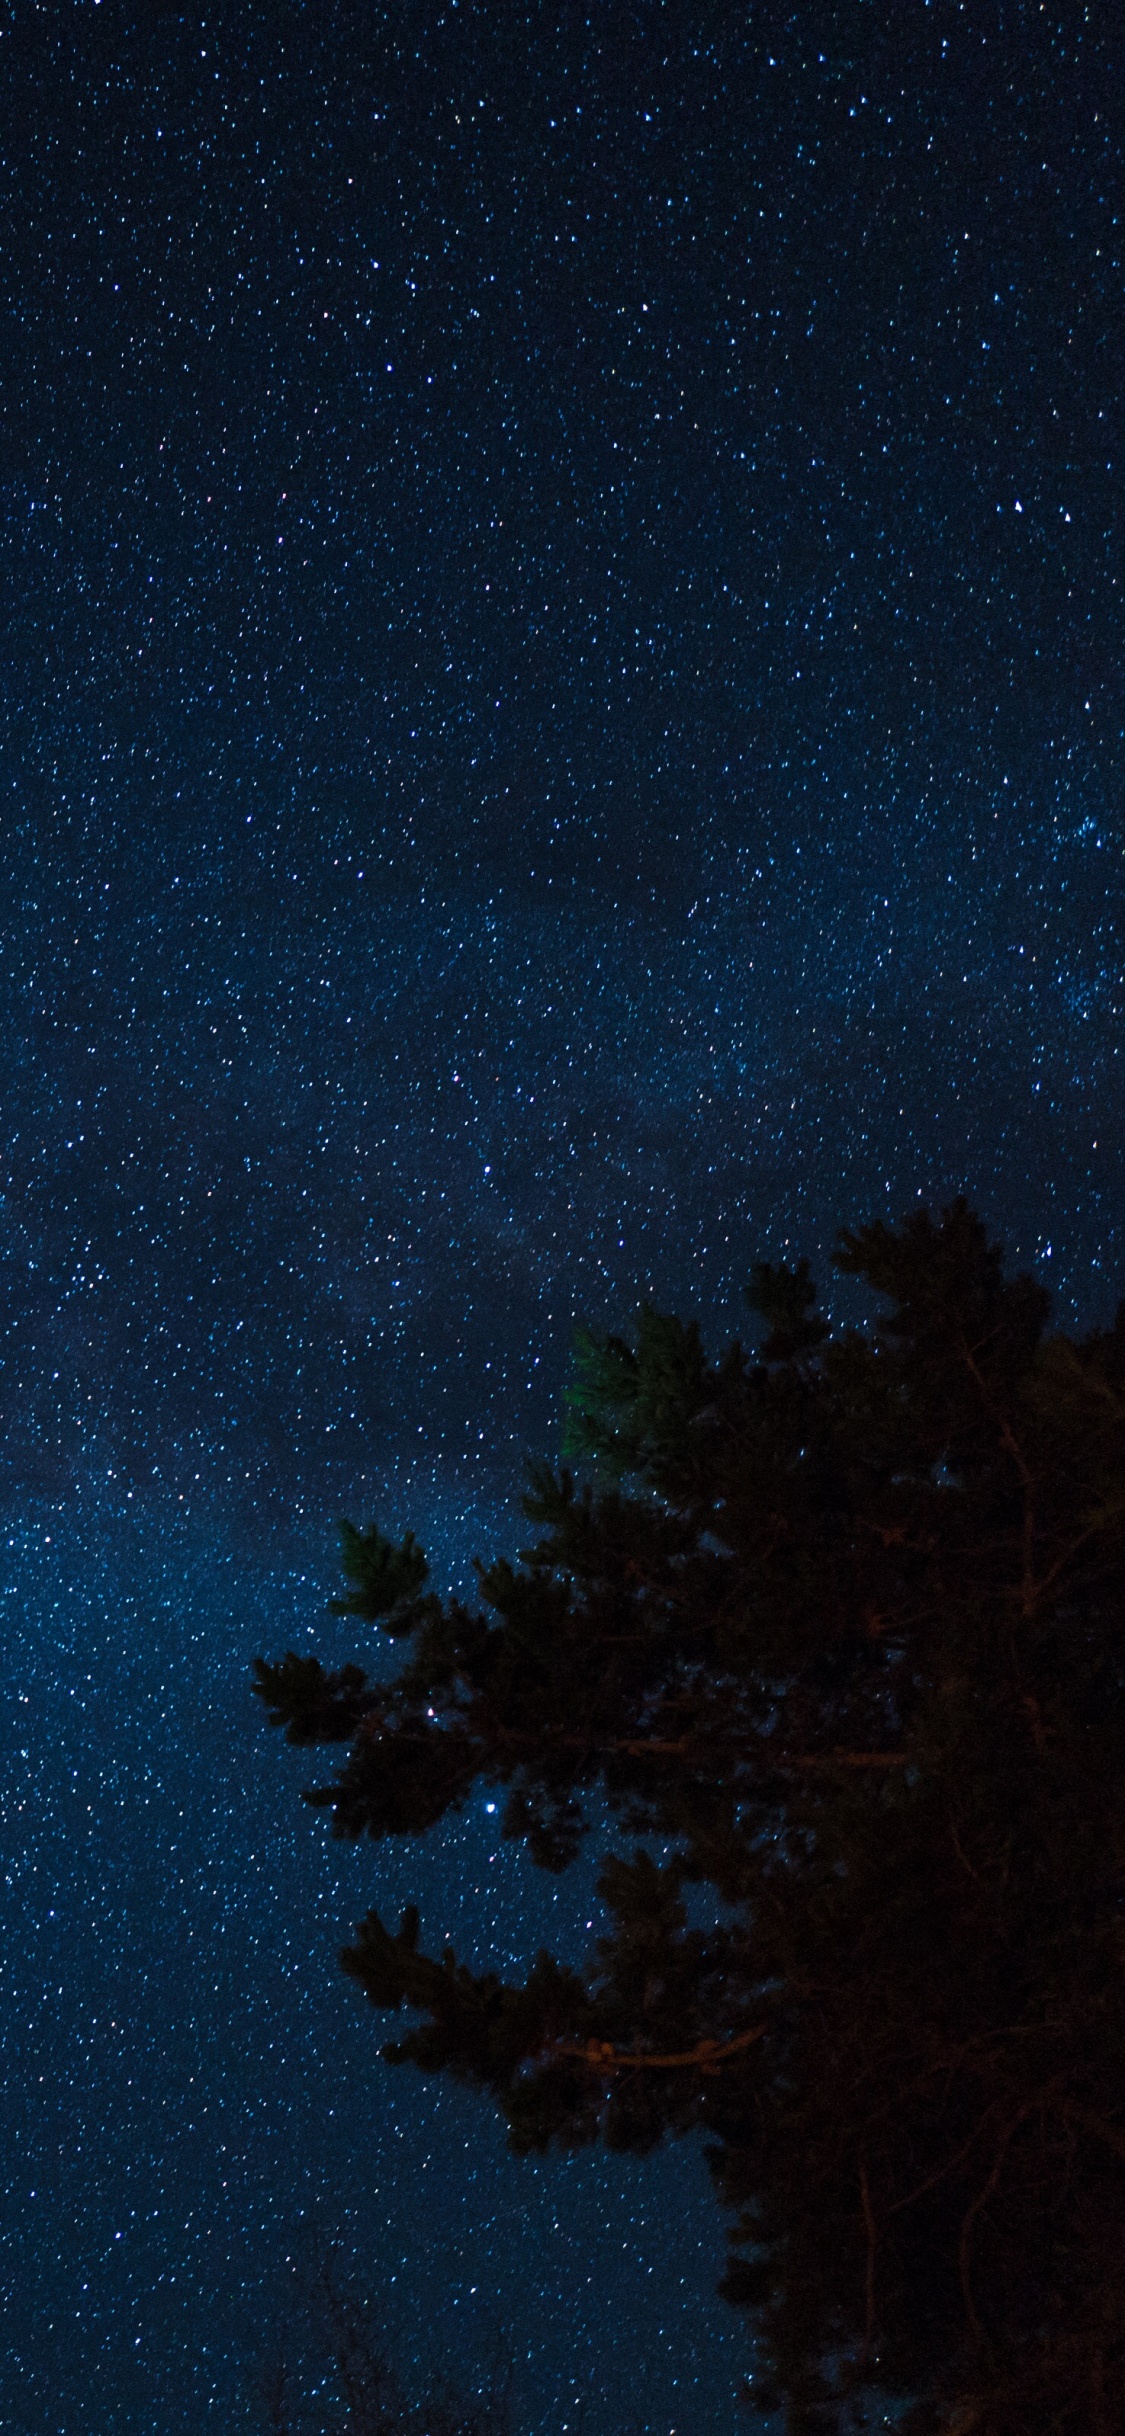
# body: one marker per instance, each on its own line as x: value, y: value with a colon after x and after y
x: 562, y: 731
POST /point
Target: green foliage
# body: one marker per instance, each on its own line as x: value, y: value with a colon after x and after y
x: 836, y: 1635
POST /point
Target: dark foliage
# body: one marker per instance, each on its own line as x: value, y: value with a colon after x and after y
x: 838, y: 1635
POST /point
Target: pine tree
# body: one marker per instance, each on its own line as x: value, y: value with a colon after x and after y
x: 836, y: 1635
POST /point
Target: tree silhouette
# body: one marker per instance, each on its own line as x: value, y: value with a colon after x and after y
x: 836, y: 1634
x: 361, y: 2395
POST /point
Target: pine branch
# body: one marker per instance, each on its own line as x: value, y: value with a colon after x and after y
x: 844, y: 1759
x: 709, y: 2055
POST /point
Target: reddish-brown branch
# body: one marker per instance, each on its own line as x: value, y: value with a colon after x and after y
x: 1033, y: 2106
x: 965, y: 2246
x: 709, y: 2055
x: 1103, y: 1522
x: 950, y: 2166
x: 644, y: 1747
x: 844, y: 1759
x: 639, y: 1747
x: 966, y: 1864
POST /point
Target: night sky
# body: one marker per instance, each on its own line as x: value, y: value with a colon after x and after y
x: 562, y: 731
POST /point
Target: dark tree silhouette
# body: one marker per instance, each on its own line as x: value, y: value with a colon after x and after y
x: 361, y: 2394
x: 838, y: 1636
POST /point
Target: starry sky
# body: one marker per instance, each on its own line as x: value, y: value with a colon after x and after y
x: 562, y: 731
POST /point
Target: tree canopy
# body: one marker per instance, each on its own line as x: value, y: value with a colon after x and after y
x: 834, y: 1633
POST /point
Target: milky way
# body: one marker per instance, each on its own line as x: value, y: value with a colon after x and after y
x: 562, y: 731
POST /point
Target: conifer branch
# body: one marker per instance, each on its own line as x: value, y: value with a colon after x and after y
x: 844, y: 1759
x: 709, y: 2055
x: 642, y: 1747
x: 937, y: 1486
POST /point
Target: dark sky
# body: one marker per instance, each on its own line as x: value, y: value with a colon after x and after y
x: 562, y: 730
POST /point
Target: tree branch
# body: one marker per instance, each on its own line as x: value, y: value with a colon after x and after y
x: 643, y: 1748
x: 709, y: 2055
x: 845, y: 1759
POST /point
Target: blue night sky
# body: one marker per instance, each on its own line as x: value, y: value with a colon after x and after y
x: 562, y: 731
